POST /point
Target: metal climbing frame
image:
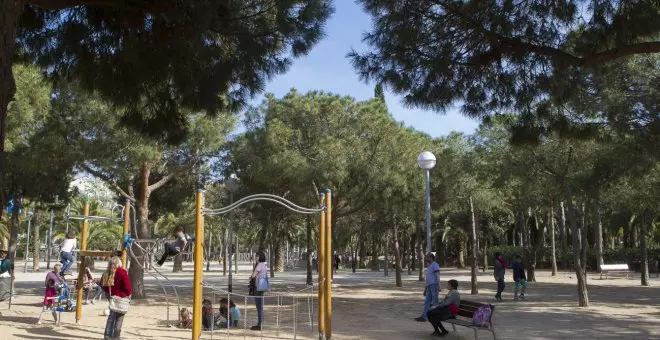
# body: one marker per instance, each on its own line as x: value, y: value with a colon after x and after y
x: 85, y: 217
x: 325, y: 256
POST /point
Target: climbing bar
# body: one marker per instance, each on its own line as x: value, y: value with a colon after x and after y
x: 264, y: 197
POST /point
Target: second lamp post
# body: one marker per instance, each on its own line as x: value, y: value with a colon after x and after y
x: 232, y: 185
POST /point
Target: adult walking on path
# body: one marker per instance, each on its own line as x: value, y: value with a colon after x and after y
x: 499, y: 269
x: 432, y: 287
x: 115, y: 283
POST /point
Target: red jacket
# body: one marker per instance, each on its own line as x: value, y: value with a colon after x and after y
x: 122, y: 287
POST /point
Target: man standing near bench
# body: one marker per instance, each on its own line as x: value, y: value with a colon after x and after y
x: 432, y: 285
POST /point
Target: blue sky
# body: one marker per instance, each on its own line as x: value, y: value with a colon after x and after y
x: 327, y: 68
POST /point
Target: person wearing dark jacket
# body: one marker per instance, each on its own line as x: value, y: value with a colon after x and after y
x: 499, y: 269
x: 445, y: 310
x: 519, y: 278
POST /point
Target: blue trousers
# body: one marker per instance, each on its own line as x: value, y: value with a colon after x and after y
x: 431, y: 298
x: 113, y: 326
x: 259, y: 302
x: 67, y: 261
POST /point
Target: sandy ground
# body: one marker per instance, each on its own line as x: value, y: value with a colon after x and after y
x: 366, y: 305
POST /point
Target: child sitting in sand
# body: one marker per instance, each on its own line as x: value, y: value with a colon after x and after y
x: 229, y: 315
x: 185, y: 318
x: 207, y: 315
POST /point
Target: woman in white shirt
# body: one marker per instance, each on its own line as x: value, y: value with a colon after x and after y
x: 66, y: 250
x: 260, y: 272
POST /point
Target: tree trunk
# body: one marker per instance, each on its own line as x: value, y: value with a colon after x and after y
x: 462, y: 247
x: 599, y: 232
x: 563, y: 238
x: 584, y: 240
x: 225, y: 254
x: 9, y: 19
x: 386, y: 272
x: 645, y: 255
x: 485, y: 255
x: 551, y: 220
x: 583, y: 294
x: 279, y: 257
x: 177, y: 263
x: 374, y: 255
x: 13, y: 233
x: 473, y: 272
x: 36, y: 245
x: 397, y: 256
x: 308, y: 256
x: 362, y: 248
x: 135, y: 270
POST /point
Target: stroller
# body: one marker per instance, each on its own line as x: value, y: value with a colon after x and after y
x: 60, y: 302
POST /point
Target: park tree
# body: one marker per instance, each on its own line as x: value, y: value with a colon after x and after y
x: 132, y: 165
x: 30, y: 144
x: 494, y: 56
x: 157, y: 60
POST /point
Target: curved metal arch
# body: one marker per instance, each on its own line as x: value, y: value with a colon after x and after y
x: 264, y: 197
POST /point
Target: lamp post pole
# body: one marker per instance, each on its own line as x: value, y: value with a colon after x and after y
x: 426, y: 161
x: 27, y: 245
x: 232, y: 186
x: 427, y: 175
x: 50, y: 232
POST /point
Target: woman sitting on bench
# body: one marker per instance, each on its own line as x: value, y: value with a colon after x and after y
x: 447, y: 309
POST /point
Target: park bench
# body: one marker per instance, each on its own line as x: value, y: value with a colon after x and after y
x: 466, y: 312
x: 613, y: 268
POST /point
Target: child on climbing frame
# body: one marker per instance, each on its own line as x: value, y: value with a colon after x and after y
x: 174, y: 248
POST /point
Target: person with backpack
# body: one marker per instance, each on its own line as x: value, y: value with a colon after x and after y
x: 499, y: 269
x: 445, y: 310
x: 519, y: 278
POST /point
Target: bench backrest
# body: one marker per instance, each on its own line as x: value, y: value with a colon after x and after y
x: 613, y: 267
x: 467, y: 309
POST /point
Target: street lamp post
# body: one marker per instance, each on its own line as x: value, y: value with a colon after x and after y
x: 50, y: 232
x: 232, y: 185
x: 426, y: 161
x: 27, y: 245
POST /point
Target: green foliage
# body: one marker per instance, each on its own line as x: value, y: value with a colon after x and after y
x: 159, y: 61
x: 531, y: 58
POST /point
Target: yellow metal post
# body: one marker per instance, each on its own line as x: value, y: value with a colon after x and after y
x: 321, y: 269
x: 127, y: 222
x: 81, y: 268
x: 198, y: 261
x: 329, y: 263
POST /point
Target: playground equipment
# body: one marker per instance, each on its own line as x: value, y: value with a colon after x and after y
x: 325, y: 255
x: 83, y: 252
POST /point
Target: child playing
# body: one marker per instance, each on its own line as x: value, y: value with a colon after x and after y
x: 66, y: 250
x: 185, y: 318
x: 174, y: 248
x: 519, y: 278
x: 207, y: 315
x: 227, y: 318
x: 88, y: 284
